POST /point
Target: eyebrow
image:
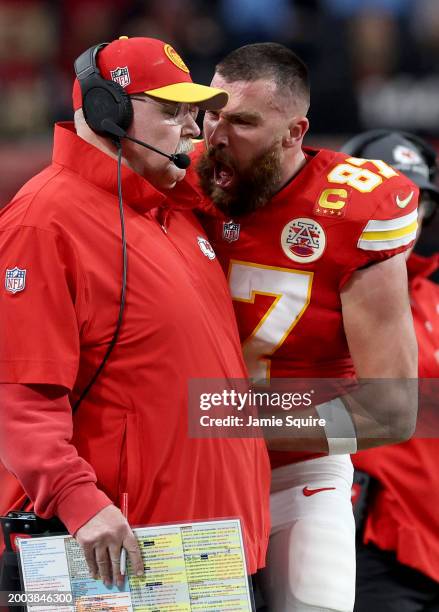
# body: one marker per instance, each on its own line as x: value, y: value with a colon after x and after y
x: 251, y: 117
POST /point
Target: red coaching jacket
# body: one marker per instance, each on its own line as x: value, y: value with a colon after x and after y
x: 60, y: 257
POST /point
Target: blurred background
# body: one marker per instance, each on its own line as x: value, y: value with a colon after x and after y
x: 373, y: 63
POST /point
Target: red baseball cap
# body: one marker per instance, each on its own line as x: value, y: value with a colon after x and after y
x: 148, y: 65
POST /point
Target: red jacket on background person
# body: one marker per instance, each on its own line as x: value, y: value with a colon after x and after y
x: 403, y: 516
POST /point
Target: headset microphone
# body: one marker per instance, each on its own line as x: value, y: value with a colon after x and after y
x: 181, y: 160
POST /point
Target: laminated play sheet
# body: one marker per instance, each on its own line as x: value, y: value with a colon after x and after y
x: 189, y: 566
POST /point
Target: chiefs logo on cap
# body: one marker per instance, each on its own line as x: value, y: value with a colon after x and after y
x: 175, y: 58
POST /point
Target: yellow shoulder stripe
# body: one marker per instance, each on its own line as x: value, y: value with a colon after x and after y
x: 390, y: 234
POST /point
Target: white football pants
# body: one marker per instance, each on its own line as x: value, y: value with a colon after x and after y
x: 311, y: 555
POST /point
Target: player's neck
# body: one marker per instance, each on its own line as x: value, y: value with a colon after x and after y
x: 292, y: 167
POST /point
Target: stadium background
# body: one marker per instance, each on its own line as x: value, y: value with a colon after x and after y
x: 373, y: 63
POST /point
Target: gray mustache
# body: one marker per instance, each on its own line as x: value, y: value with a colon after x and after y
x: 185, y: 146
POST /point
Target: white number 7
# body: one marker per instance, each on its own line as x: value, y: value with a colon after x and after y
x: 292, y: 290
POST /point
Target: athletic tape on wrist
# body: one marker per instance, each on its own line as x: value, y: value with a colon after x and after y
x: 339, y: 428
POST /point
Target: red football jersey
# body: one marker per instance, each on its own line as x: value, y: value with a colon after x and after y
x: 287, y: 263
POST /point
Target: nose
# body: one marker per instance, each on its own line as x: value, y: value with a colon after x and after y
x: 190, y: 127
x: 217, y: 133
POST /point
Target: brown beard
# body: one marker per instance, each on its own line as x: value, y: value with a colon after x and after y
x: 252, y: 188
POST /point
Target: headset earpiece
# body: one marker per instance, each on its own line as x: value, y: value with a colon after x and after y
x: 107, y: 100
x: 101, y: 99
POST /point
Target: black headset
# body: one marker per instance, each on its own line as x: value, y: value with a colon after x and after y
x: 357, y: 144
x: 101, y: 99
x: 108, y: 111
x: 105, y: 100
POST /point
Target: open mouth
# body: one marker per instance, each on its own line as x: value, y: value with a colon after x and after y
x: 223, y: 175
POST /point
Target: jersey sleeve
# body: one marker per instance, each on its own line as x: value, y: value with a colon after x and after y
x: 42, y: 307
x: 392, y: 227
x: 384, y: 223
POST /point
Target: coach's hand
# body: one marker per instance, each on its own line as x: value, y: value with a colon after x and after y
x: 102, y: 538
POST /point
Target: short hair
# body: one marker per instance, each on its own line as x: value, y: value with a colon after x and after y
x: 268, y: 61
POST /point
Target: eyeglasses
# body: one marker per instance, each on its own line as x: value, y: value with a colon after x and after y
x: 177, y: 112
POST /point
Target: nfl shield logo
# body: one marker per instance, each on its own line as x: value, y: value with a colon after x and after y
x: 15, y: 280
x: 231, y: 231
x: 121, y: 76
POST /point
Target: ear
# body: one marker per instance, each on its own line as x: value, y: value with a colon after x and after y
x: 297, y: 129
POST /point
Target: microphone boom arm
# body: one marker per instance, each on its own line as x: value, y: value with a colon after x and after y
x: 181, y: 160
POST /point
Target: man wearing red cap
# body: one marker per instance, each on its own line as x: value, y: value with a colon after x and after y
x: 60, y: 302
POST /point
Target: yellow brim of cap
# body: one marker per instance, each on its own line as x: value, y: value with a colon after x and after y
x: 207, y: 98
